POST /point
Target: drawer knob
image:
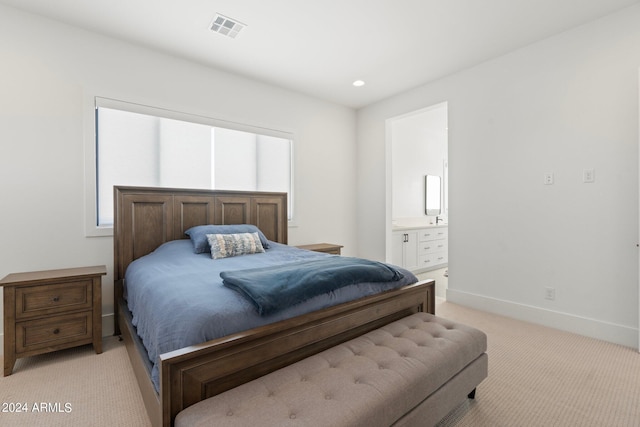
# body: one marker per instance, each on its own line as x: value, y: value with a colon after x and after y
x: 56, y: 331
x: 55, y: 299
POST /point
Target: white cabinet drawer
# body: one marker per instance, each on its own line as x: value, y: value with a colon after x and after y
x: 428, y: 234
x: 432, y: 260
x: 432, y: 246
x: 441, y: 258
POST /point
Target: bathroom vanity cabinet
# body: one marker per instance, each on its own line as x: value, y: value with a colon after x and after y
x: 421, y: 248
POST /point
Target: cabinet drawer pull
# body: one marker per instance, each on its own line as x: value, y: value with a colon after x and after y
x: 56, y: 331
x: 55, y: 299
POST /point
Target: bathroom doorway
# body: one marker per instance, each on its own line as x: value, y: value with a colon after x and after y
x: 417, y: 146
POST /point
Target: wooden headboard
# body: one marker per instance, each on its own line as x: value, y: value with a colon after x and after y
x: 146, y: 217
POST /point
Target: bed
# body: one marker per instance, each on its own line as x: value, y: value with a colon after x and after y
x: 151, y: 222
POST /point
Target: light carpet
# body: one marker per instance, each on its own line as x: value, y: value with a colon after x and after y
x: 74, y: 387
x: 538, y: 376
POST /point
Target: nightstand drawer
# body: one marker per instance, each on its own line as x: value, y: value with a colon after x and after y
x: 40, y: 300
x: 53, y: 331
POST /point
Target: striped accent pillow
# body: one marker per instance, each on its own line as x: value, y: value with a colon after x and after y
x: 228, y: 245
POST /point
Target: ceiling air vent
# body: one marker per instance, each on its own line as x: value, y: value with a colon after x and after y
x: 226, y: 26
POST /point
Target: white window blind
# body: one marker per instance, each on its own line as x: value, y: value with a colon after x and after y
x: 145, y: 146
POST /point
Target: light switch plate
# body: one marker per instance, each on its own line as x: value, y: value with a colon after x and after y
x: 548, y: 178
x: 588, y: 175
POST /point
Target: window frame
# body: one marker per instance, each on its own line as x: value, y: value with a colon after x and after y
x: 93, y: 102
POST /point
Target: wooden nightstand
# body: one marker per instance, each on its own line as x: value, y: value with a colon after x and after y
x: 323, y: 247
x: 50, y: 310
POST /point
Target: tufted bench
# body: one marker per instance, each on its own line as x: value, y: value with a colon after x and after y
x: 411, y: 372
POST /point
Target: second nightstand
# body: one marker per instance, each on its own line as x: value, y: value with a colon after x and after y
x: 50, y: 310
x: 328, y: 248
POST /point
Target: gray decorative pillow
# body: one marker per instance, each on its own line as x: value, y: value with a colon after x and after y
x: 228, y: 245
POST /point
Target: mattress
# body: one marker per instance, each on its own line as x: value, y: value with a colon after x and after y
x: 176, y: 297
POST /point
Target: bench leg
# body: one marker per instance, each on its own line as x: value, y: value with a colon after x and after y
x: 472, y: 395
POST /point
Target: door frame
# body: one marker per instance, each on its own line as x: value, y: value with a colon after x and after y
x: 389, y: 171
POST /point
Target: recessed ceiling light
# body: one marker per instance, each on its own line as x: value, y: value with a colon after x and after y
x: 226, y: 26
x: 358, y: 83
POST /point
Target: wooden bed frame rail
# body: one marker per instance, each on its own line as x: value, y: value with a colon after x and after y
x: 195, y: 373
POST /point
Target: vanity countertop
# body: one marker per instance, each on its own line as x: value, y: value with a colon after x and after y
x: 413, y: 226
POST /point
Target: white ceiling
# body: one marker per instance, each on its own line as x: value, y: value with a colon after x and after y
x: 319, y: 47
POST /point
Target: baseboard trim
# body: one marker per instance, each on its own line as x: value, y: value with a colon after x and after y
x: 606, y: 331
x: 107, y: 325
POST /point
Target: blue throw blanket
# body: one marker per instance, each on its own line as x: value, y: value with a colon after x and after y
x: 273, y: 288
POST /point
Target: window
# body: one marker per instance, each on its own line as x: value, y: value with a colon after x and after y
x: 145, y: 146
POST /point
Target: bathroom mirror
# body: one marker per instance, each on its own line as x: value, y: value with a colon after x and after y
x: 432, y: 196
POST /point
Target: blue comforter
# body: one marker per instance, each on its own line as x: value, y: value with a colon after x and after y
x: 273, y: 288
x: 177, y: 297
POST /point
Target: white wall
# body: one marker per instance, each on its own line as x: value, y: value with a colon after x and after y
x: 560, y: 105
x: 48, y: 71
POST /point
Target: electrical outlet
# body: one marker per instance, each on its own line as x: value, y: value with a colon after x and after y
x: 550, y: 293
x: 548, y: 178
